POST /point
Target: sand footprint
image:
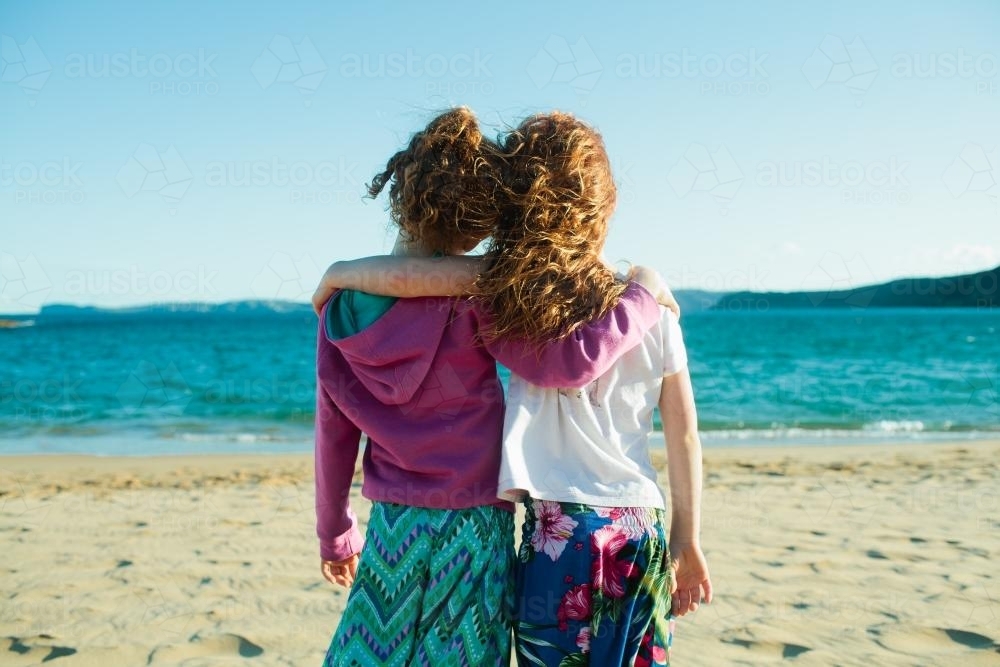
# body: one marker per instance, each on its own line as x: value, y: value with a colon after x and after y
x: 973, y: 647
x: 199, y: 647
x: 764, y: 646
x: 771, y: 648
x: 33, y: 650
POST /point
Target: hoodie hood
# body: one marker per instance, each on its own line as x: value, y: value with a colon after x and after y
x: 392, y: 355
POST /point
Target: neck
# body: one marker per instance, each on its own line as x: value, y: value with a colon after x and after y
x: 406, y: 248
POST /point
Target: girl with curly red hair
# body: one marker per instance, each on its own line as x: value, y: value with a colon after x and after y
x: 433, y: 578
x: 596, y: 566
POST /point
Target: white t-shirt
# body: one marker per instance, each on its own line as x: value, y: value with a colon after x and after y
x: 589, y: 445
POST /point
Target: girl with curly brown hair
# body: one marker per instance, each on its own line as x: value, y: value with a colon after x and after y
x: 432, y: 580
x: 596, y: 568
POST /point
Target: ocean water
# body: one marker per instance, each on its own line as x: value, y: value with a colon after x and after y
x: 209, y: 383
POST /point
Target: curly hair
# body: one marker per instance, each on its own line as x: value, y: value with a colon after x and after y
x: 442, y: 184
x: 543, y: 274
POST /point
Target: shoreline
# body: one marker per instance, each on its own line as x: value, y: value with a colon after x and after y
x: 78, y: 446
x: 215, y: 461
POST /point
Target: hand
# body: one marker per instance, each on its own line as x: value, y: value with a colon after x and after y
x: 656, y: 286
x: 325, y: 289
x: 340, y: 572
x: 694, y: 585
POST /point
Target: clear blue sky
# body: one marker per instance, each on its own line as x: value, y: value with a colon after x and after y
x: 145, y: 148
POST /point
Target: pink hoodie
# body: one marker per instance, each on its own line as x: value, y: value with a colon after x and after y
x: 423, y: 386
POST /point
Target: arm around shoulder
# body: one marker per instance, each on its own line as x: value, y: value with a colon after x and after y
x: 588, y: 352
x: 398, y: 276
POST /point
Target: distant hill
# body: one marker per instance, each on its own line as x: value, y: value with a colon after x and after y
x: 693, y: 300
x: 234, y: 308
x: 973, y: 290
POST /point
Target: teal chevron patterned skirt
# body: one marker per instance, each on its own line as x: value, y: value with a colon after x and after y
x: 434, y: 587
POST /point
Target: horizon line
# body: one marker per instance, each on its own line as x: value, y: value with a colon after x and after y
x: 150, y: 304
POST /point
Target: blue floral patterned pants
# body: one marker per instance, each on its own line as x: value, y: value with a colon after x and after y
x: 593, y: 586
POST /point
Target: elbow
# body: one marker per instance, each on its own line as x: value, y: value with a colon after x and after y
x: 692, y: 441
x: 684, y: 439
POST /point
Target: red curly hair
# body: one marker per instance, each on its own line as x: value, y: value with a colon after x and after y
x: 544, y: 273
x: 442, y: 185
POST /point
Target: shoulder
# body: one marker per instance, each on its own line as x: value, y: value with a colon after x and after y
x: 670, y: 325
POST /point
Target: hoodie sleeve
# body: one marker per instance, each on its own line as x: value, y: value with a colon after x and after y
x: 587, y: 353
x: 337, y: 442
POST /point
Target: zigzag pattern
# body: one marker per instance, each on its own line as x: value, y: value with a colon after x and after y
x: 434, y: 587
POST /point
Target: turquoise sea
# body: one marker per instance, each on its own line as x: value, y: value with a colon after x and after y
x: 221, y: 383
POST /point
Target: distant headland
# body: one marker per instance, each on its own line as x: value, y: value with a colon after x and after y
x: 972, y: 290
x: 233, y: 308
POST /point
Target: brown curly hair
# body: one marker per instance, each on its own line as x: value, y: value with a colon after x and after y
x: 544, y: 275
x: 442, y: 184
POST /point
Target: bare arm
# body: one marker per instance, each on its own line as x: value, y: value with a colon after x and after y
x: 403, y: 277
x: 587, y: 353
x: 680, y: 428
x: 657, y: 286
x: 393, y: 275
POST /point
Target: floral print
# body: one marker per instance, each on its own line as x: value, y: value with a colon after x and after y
x: 603, y: 601
x: 554, y: 529
x: 575, y: 605
x: 583, y: 640
x: 608, y: 572
x: 632, y: 520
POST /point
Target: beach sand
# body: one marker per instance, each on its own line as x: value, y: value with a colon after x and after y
x: 820, y: 556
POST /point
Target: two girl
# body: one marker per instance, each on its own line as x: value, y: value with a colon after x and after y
x: 595, y: 565
x: 432, y: 582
